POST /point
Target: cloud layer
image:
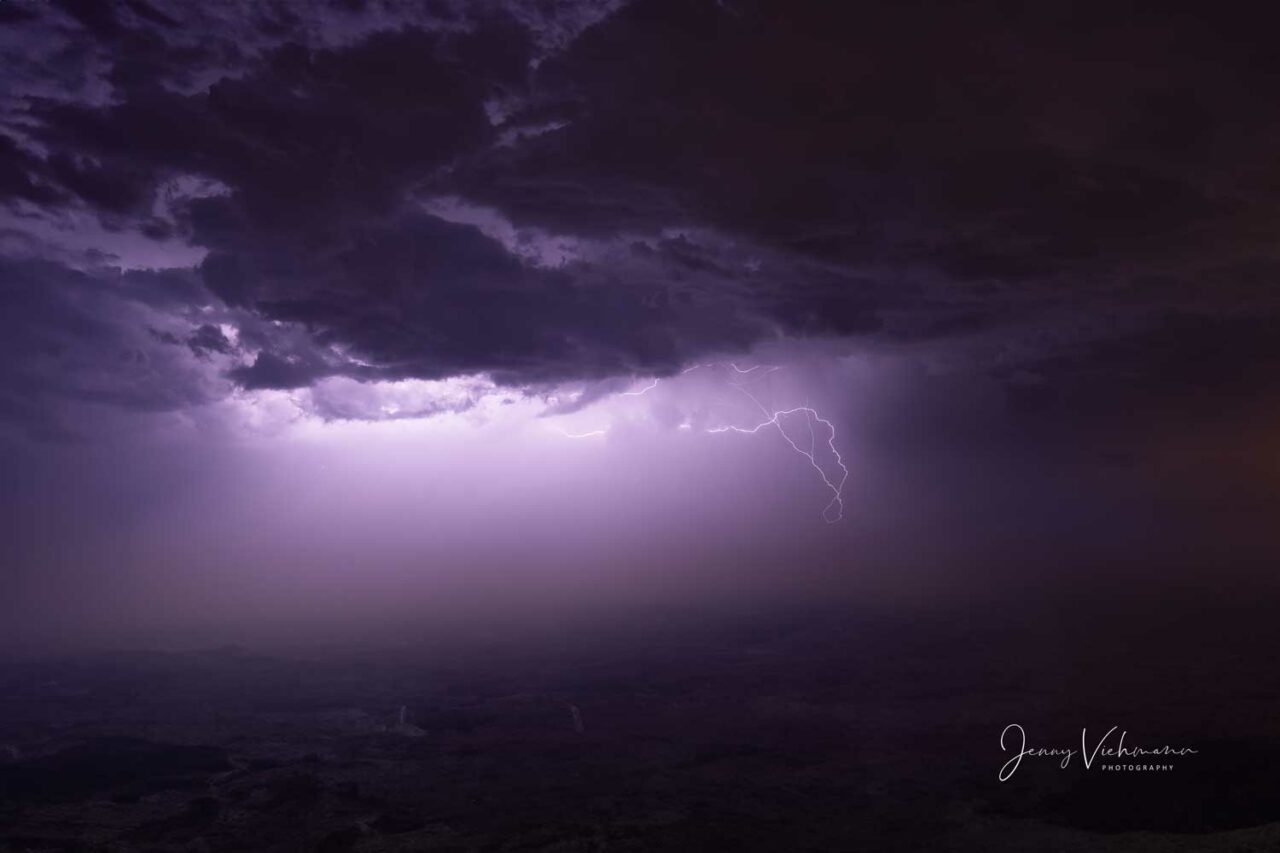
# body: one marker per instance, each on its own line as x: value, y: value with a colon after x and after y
x: 542, y: 193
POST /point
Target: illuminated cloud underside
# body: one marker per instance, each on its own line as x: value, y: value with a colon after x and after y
x: 719, y: 398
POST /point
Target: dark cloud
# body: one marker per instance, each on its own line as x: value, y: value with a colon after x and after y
x: 22, y: 176
x: 98, y: 18
x: 1176, y: 368
x: 420, y: 297
x: 209, y: 339
x: 269, y: 370
x: 75, y: 340
x: 720, y: 173
x: 1052, y: 149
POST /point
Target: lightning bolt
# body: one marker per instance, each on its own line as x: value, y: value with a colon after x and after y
x: 645, y: 390
x: 767, y: 368
x: 834, y: 510
x: 595, y: 433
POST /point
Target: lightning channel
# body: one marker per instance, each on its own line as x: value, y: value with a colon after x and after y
x: 595, y: 433
x: 773, y: 418
x: 834, y: 510
x: 641, y: 392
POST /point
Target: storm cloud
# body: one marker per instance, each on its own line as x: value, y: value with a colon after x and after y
x: 586, y: 191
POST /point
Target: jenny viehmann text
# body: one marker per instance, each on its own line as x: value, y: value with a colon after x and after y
x: 1014, y: 737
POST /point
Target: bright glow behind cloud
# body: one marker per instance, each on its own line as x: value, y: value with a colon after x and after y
x: 726, y: 399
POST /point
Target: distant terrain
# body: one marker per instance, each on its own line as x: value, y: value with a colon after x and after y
x: 810, y: 731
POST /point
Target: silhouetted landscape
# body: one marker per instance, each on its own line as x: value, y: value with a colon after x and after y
x: 815, y: 730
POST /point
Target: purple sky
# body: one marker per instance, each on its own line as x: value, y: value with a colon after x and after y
x: 382, y: 311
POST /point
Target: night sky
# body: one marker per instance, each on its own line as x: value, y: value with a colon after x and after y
x: 321, y: 319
